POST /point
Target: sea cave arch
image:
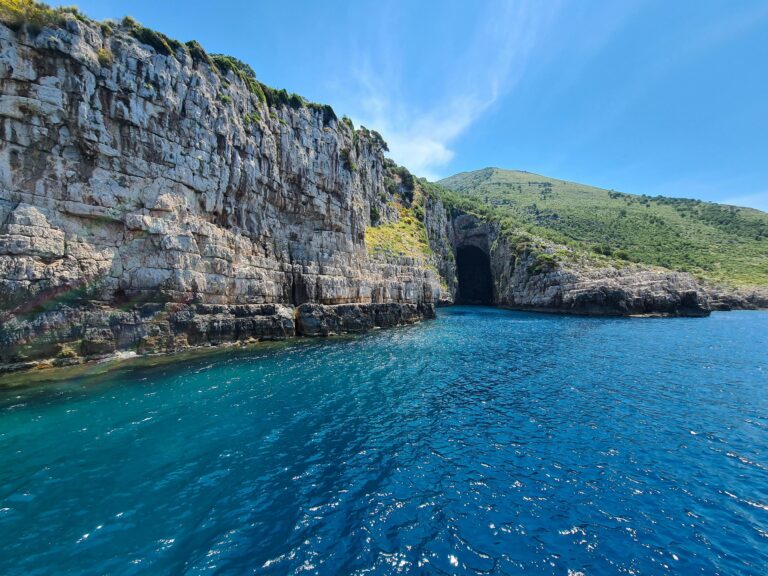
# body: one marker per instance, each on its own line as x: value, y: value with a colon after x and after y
x: 473, y: 269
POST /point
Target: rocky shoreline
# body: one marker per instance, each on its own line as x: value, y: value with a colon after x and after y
x: 172, y: 328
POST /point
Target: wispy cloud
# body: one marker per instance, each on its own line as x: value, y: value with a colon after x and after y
x: 496, y: 51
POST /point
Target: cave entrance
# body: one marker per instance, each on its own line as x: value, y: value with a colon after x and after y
x: 473, y: 267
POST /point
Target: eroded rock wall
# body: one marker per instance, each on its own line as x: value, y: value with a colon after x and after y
x: 149, y: 201
x: 523, y: 279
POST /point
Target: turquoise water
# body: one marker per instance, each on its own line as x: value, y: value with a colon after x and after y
x: 485, y: 441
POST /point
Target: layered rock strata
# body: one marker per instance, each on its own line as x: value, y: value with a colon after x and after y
x: 154, y: 202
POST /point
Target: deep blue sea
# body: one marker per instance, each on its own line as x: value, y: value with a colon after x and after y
x: 483, y: 442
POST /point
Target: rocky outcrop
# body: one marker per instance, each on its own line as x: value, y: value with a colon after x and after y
x: 437, y: 220
x: 320, y: 320
x: 606, y: 291
x: 153, y: 201
x: 540, y: 279
x: 725, y: 298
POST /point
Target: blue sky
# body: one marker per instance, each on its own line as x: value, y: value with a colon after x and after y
x: 642, y: 96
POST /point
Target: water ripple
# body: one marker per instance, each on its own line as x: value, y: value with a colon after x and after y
x: 486, y: 442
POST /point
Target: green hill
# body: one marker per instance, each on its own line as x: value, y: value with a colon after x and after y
x: 716, y: 242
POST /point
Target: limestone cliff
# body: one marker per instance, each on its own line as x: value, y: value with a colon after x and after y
x: 153, y: 198
x: 153, y: 201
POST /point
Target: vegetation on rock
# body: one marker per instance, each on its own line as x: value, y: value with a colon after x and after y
x: 713, y: 241
x: 105, y: 57
x: 407, y: 236
x: 157, y: 40
x: 240, y: 69
x: 198, y: 53
x: 35, y: 15
x: 404, y: 233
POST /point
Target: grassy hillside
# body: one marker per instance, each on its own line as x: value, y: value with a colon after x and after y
x: 716, y: 242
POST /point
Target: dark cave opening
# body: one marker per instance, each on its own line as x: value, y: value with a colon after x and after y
x: 473, y: 268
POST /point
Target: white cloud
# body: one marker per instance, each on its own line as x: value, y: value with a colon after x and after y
x: 496, y: 52
x: 419, y: 140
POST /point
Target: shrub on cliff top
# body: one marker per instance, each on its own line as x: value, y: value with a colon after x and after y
x: 282, y: 97
x: 328, y: 112
x: 399, y: 180
x: 152, y: 38
x: 379, y: 139
x: 346, y: 121
x: 159, y: 41
x: 198, y: 53
x: 229, y: 63
x: 272, y: 96
x: 35, y: 15
x: 225, y: 64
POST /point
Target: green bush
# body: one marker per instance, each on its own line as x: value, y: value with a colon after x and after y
x: 252, y: 118
x: 347, y: 122
x: 346, y: 159
x: 406, y: 179
x: 328, y: 113
x: 105, y: 57
x: 231, y: 64
x: 198, y: 53
x: 543, y: 263
x: 282, y: 97
x: 379, y: 140
x: 157, y: 40
x: 226, y: 64
x: 35, y: 15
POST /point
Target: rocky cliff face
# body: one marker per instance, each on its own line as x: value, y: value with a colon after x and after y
x: 151, y: 201
x: 527, y: 279
x: 725, y: 298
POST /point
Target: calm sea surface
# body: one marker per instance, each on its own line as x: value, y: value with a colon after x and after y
x: 485, y: 441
